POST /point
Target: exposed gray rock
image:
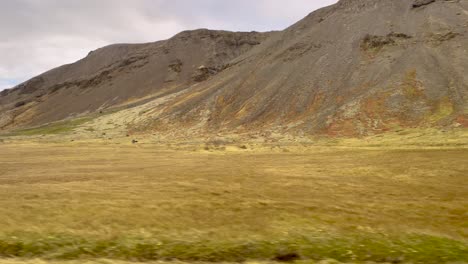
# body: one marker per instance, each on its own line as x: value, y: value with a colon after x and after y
x: 419, y: 3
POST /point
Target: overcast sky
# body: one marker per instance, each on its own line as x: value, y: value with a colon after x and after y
x: 37, y: 35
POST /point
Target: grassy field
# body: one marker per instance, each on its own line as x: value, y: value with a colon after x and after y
x: 53, y: 128
x: 144, y: 202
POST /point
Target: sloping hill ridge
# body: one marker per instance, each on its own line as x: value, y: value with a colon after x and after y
x: 355, y: 68
x: 123, y: 73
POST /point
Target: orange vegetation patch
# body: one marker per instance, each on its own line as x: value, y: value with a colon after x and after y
x: 374, y: 106
x: 343, y: 128
x: 462, y: 120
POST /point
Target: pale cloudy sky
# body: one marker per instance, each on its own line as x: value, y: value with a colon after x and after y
x: 37, y: 35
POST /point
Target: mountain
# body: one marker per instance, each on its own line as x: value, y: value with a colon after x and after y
x: 355, y: 68
x: 123, y: 73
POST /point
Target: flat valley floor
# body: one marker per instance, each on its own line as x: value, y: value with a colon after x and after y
x: 79, y: 202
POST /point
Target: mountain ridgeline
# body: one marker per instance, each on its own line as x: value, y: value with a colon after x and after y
x: 355, y: 68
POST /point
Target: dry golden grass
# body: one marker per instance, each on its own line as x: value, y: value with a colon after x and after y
x: 82, y: 194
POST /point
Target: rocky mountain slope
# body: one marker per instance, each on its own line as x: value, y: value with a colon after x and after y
x: 355, y: 68
x: 123, y: 73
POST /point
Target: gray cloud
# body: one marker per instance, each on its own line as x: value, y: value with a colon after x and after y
x: 37, y: 35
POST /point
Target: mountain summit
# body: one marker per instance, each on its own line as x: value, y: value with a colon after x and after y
x: 354, y: 68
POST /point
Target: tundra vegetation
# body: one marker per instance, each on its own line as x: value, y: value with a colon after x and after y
x: 348, y: 200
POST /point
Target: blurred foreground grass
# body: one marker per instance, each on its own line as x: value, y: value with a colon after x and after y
x: 346, y: 247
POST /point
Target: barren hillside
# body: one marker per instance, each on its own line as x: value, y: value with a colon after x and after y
x: 121, y: 74
x: 355, y: 68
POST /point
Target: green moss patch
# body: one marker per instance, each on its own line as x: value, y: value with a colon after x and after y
x: 52, y: 128
x: 351, y: 248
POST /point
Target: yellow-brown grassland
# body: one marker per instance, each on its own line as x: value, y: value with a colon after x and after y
x: 396, y: 198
